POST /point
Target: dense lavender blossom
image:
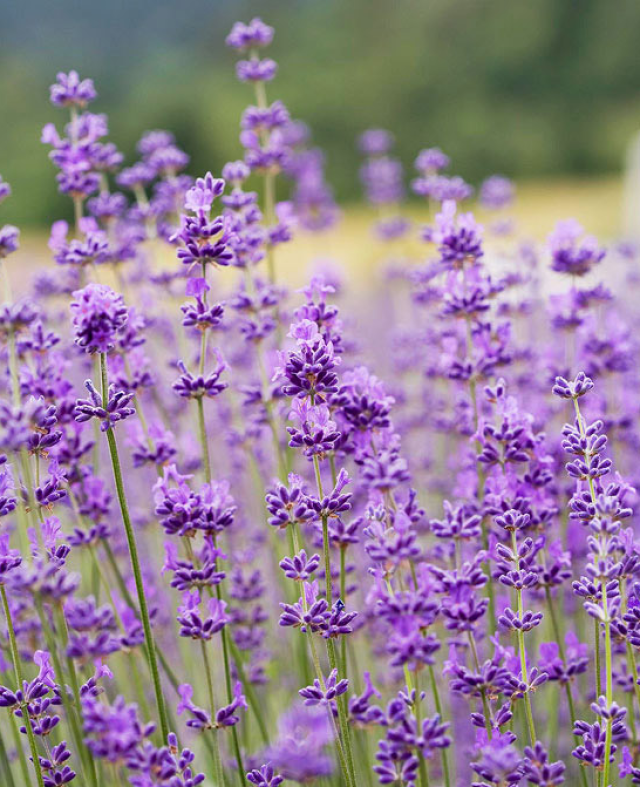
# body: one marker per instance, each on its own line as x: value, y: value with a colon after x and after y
x: 269, y: 501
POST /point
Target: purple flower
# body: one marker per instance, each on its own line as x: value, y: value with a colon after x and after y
x: 375, y: 142
x: 117, y: 408
x: 254, y: 35
x: 200, y: 718
x: 264, y: 777
x: 256, y: 70
x: 5, y: 190
x: 571, y: 251
x: 99, y: 315
x: 300, y: 567
x: 69, y: 90
x: 288, y: 505
x: 496, y: 192
x: 113, y: 731
x: 459, y: 240
x: 195, y: 387
x: 431, y: 160
x: 572, y: 389
x: 227, y: 715
x: 326, y: 693
x: 9, y: 240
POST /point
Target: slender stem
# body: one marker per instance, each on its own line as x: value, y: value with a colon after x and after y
x: 343, y: 596
x: 607, y: 624
x: 483, y: 693
x: 436, y: 699
x: 341, y: 701
x: 422, y: 765
x: 135, y: 560
x: 473, y: 396
x: 217, y: 762
x: 608, y: 655
x: 523, y: 656
x: 5, y: 764
x: 202, y: 430
x: 15, y: 657
x: 567, y: 686
x: 124, y: 590
x: 224, y: 634
x: 338, y: 737
x: 248, y: 687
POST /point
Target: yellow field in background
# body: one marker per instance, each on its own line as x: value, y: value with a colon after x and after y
x: 597, y: 204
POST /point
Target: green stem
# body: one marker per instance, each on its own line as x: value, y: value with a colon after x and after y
x: 6, y: 765
x: 343, y: 596
x: 523, y: 657
x: 483, y: 693
x: 567, y: 686
x: 229, y: 687
x: 15, y: 657
x: 133, y: 554
x: 422, y: 765
x: 87, y: 758
x: 608, y: 655
x: 341, y: 701
x: 202, y: 431
x: 339, y: 739
x: 438, y: 704
x: 224, y: 634
x: 217, y: 762
x: 248, y: 687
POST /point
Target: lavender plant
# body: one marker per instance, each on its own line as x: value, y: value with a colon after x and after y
x: 249, y: 536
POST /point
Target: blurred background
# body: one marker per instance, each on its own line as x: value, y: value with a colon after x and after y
x: 546, y: 92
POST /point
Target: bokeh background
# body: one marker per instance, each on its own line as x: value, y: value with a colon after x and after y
x: 546, y: 92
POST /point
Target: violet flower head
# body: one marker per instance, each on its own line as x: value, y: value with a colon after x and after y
x: 99, y: 315
x: 196, y: 386
x: 431, y: 160
x: 9, y: 240
x: 254, y: 35
x: 325, y: 693
x: 458, y: 238
x: 441, y: 188
x: 113, y: 732
x: 264, y: 777
x: 572, y: 389
x: 496, y: 192
x: 288, y: 505
x: 375, y: 142
x: 71, y: 91
x: 117, y: 408
x: 300, y: 567
x: 573, y: 252
x: 5, y: 190
x: 309, y: 371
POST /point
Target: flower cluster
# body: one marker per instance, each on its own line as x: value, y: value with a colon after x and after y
x: 306, y: 537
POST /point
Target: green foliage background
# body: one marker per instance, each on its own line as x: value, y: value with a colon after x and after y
x: 523, y: 87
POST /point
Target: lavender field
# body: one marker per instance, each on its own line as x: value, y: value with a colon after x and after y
x: 285, y: 504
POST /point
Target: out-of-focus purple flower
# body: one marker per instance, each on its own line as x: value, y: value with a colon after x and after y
x: 113, y: 731
x: 375, y: 142
x: 431, y: 160
x: 496, y: 192
x: 572, y: 251
x: 9, y: 240
x: 254, y: 35
x: 69, y: 90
